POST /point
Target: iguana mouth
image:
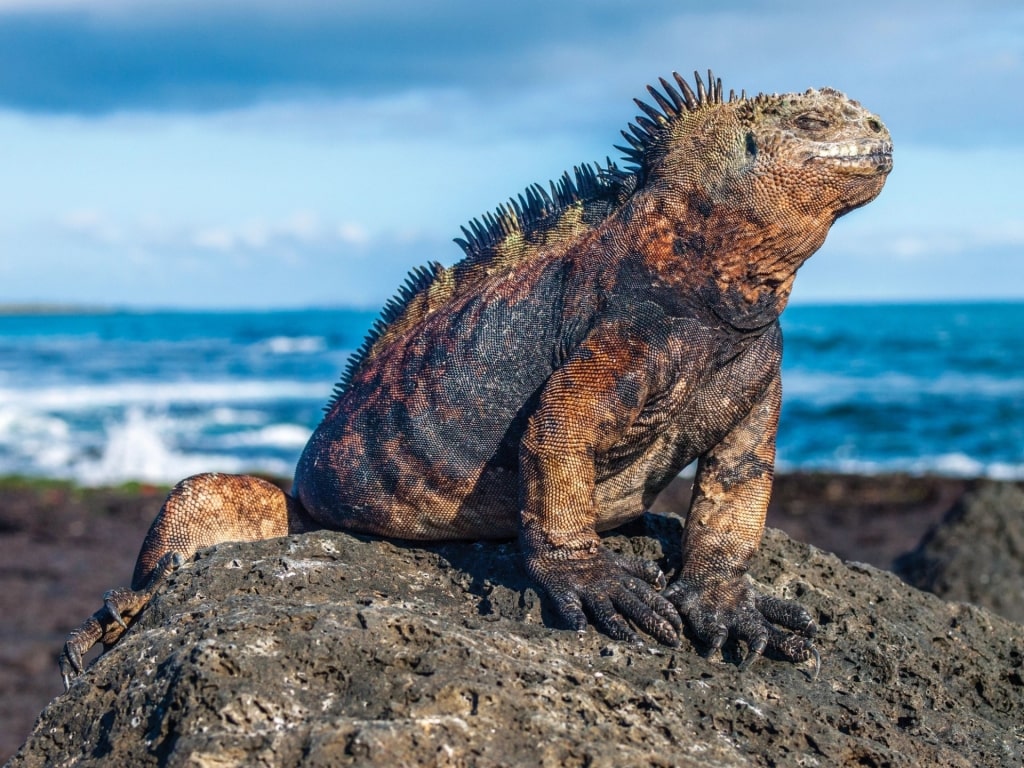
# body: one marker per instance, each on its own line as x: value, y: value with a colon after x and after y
x: 873, y: 156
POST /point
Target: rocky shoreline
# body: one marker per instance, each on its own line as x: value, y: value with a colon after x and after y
x: 64, y: 546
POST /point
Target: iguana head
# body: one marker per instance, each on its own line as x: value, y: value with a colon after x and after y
x: 816, y: 152
x: 787, y: 165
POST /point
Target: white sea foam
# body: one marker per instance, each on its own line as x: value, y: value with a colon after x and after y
x: 31, y: 438
x: 237, y: 417
x: 74, y: 397
x: 136, y: 449
x: 293, y: 345
x: 140, y: 448
x: 830, y: 388
x: 139, y: 444
x: 274, y: 435
x: 946, y: 464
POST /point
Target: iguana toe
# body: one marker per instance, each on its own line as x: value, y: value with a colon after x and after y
x: 604, y: 588
x: 717, y: 611
x: 78, y: 641
x: 121, y: 607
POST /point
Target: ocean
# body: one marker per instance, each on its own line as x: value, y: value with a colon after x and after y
x: 156, y: 396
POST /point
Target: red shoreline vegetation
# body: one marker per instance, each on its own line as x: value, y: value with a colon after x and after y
x: 65, y: 545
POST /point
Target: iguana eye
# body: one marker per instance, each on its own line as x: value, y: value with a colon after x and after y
x: 811, y: 123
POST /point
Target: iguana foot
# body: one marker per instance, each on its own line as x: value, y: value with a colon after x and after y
x: 612, y: 589
x: 121, y: 607
x: 716, y: 610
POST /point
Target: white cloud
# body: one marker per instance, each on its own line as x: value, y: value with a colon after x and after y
x: 913, y: 242
x: 214, y: 239
x: 353, y: 234
x: 301, y: 230
x: 921, y: 245
x: 31, y: 5
x: 92, y: 225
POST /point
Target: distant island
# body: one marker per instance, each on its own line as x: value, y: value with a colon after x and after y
x: 53, y: 309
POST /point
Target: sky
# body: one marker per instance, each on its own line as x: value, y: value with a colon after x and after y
x: 258, y: 154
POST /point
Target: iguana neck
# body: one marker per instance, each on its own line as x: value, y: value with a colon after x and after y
x: 751, y: 262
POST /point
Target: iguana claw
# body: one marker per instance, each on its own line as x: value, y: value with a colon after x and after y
x: 613, y: 590
x: 817, y: 663
x: 111, y: 608
x: 121, y: 607
x: 755, y: 652
x: 717, y: 610
x: 70, y: 661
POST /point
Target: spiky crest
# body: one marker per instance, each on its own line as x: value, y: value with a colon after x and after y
x: 650, y: 132
x: 515, y: 231
x: 497, y: 240
x: 536, y: 210
x: 419, y: 279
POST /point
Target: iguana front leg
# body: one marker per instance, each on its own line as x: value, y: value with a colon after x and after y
x: 584, y: 408
x: 200, y: 511
x: 723, y: 530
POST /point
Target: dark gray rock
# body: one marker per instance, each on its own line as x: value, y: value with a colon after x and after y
x: 327, y: 649
x: 976, y: 554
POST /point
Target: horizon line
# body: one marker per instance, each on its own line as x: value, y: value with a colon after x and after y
x: 51, y: 309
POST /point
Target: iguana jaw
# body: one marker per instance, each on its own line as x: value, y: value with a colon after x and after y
x: 863, y: 158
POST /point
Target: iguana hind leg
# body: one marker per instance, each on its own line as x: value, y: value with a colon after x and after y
x: 199, y: 512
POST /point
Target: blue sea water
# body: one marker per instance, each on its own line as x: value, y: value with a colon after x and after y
x: 157, y: 396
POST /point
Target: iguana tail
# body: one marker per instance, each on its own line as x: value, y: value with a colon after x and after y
x: 199, y: 512
x: 214, y: 508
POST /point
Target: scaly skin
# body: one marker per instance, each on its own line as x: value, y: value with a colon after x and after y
x: 592, y: 344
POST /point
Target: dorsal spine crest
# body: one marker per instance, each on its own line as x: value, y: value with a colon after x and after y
x: 650, y: 132
x: 487, y: 243
x: 518, y: 229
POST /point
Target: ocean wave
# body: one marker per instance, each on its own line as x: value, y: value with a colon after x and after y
x: 139, y: 447
x: 275, y: 435
x: 292, y: 345
x: 34, y: 439
x: 888, y: 387
x: 953, y: 464
x: 72, y: 397
x: 224, y: 416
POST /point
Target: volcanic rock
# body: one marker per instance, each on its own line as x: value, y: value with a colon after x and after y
x: 332, y: 649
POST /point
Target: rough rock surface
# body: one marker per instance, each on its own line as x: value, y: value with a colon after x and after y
x: 329, y: 649
x: 976, y: 554
x: 64, y: 545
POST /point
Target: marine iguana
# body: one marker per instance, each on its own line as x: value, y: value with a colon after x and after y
x: 594, y: 341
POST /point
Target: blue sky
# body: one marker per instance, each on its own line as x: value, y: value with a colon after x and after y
x: 221, y: 153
